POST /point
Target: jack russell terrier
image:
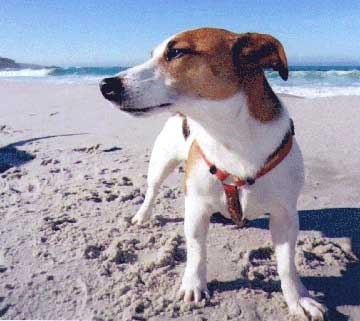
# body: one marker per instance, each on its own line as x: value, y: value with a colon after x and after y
x: 237, y: 139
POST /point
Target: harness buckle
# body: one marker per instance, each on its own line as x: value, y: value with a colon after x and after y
x: 250, y: 181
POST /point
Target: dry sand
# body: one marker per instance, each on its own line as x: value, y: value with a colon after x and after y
x: 73, y: 174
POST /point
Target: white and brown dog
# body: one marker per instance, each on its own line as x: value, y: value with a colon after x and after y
x: 226, y: 118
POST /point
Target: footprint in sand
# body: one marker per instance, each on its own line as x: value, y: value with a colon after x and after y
x: 89, y: 150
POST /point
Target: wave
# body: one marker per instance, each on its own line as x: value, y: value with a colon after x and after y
x: 87, y: 71
x: 303, y: 73
x: 61, y: 72
x: 8, y: 73
x: 318, y: 81
x: 319, y: 74
x: 315, y: 91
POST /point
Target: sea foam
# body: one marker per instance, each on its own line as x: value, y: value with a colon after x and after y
x: 8, y: 73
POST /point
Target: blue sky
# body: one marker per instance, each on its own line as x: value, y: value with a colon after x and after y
x: 88, y: 33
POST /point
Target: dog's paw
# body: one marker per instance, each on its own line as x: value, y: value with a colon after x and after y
x: 192, y: 290
x: 138, y: 220
x: 193, y: 294
x: 140, y: 217
x: 308, y: 309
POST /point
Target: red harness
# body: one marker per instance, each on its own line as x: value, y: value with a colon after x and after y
x: 231, y: 191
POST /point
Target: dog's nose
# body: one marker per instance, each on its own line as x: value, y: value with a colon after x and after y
x: 112, y: 89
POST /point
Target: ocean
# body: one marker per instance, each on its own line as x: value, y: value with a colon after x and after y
x: 305, y: 81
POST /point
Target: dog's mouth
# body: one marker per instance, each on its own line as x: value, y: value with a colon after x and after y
x: 140, y: 111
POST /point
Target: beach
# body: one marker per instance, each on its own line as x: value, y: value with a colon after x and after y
x: 73, y: 173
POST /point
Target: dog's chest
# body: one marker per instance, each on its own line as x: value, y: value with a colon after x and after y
x: 256, y: 200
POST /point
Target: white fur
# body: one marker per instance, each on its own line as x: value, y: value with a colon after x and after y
x: 147, y: 85
x: 236, y: 142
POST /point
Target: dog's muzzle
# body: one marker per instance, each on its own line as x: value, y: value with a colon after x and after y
x: 112, y: 89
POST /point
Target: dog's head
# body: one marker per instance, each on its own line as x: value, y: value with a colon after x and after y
x: 206, y: 63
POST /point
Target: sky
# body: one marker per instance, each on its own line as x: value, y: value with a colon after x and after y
x: 123, y: 32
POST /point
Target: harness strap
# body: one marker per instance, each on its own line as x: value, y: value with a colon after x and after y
x: 234, y: 205
x: 275, y: 159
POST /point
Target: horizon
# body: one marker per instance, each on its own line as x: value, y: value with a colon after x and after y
x: 88, y: 33
x: 291, y: 65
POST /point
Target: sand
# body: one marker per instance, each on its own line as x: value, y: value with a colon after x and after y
x: 73, y: 173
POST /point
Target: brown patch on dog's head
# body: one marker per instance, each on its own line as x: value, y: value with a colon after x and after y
x: 215, y: 64
x: 200, y: 63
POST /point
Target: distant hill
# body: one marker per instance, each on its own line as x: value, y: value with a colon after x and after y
x: 6, y: 63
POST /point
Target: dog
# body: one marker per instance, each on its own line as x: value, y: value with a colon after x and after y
x: 236, y: 137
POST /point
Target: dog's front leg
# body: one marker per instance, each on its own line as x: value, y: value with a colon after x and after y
x: 169, y: 150
x: 196, y: 228
x: 159, y: 169
x: 164, y: 158
x: 284, y: 227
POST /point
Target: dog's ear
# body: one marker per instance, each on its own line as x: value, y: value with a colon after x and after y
x: 262, y: 50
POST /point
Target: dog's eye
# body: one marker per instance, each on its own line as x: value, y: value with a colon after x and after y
x: 175, y: 53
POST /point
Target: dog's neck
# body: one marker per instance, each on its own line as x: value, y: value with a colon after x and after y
x: 239, y: 133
